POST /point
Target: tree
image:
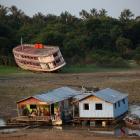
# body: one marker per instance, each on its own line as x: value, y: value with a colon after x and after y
x: 67, y: 18
x: 84, y: 14
x: 123, y: 44
x: 115, y: 32
x: 126, y: 15
x: 137, y: 55
x: 94, y: 31
x: 3, y: 14
x: 16, y: 17
x: 102, y: 13
x: 3, y: 11
x: 94, y: 12
x: 39, y: 18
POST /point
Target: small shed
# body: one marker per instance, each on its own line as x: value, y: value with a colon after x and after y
x: 53, y: 105
x: 106, y: 104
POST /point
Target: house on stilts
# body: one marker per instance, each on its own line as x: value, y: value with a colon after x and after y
x: 101, y: 107
x: 65, y: 104
x: 53, y: 107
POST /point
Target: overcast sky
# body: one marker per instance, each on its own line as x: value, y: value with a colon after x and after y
x: 114, y: 7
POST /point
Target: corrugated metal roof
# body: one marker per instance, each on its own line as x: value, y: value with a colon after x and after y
x: 107, y: 94
x: 82, y: 96
x: 110, y: 95
x: 57, y: 95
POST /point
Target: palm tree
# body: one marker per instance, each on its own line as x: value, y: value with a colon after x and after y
x: 16, y: 12
x: 103, y: 13
x: 3, y: 11
x: 126, y: 15
x: 94, y: 12
x: 84, y: 14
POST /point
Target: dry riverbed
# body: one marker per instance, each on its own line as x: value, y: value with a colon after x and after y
x: 53, y: 134
x: 17, y: 86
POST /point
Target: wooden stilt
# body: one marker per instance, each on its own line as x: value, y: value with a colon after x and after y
x: 73, y: 111
x: 18, y: 111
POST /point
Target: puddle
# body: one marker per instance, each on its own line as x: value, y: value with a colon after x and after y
x: 120, y: 132
x: 9, y: 130
x: 6, y: 130
x: 135, y: 109
x: 125, y: 131
x: 2, y: 122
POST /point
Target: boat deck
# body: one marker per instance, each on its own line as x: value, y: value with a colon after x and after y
x: 31, y: 50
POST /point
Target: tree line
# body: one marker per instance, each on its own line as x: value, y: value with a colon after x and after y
x: 92, y: 38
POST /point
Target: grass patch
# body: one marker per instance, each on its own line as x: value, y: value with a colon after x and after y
x: 7, y: 70
x: 90, y: 68
x: 4, y: 70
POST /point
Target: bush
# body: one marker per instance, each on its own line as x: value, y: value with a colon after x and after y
x: 109, y: 61
x: 137, y: 55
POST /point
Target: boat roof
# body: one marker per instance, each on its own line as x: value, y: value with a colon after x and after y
x: 29, y: 49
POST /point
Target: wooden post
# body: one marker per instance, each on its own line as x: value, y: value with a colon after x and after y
x: 50, y: 112
x: 73, y: 108
x: 18, y: 111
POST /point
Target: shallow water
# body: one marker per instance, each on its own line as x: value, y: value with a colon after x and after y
x: 2, y: 122
x: 135, y: 109
x: 9, y: 130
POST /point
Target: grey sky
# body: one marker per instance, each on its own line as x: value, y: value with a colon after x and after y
x: 114, y: 7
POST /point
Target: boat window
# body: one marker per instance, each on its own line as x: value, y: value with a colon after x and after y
x: 35, y: 58
x: 54, y: 63
x: 86, y: 106
x: 55, y: 54
x: 57, y: 61
x: 47, y: 66
x: 98, y: 106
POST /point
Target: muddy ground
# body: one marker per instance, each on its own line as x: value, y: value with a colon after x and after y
x: 17, y: 86
x: 46, y: 134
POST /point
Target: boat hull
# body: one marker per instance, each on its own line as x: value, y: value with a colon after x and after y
x: 131, y: 125
x: 26, y: 67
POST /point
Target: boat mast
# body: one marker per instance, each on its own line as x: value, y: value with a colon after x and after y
x: 21, y: 43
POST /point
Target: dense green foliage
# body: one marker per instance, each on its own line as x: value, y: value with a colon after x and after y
x: 94, y: 38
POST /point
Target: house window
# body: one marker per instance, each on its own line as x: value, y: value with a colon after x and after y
x: 33, y: 106
x: 98, y: 106
x: 86, y: 106
x: 118, y: 103
x: 123, y: 101
x: 115, y: 105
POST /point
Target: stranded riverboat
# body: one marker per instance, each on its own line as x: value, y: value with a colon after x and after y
x: 38, y: 57
x: 133, y: 121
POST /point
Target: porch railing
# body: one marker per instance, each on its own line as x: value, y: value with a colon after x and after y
x: 33, y: 118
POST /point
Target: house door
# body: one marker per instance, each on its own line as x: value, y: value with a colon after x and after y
x: 52, y: 109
